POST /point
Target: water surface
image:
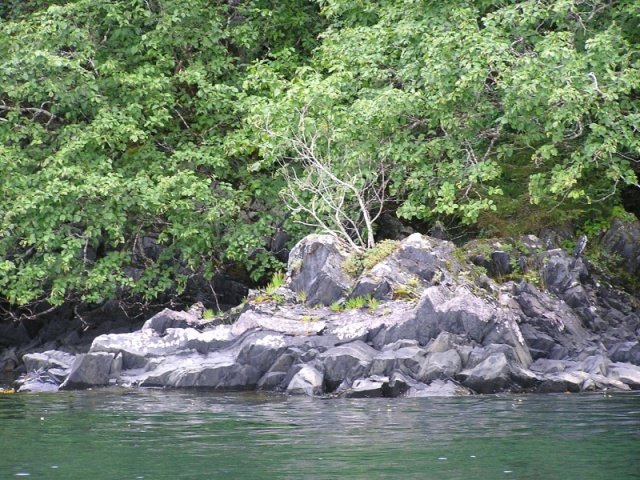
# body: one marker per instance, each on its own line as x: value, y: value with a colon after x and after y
x: 160, y: 434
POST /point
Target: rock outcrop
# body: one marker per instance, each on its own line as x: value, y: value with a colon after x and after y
x: 436, y: 320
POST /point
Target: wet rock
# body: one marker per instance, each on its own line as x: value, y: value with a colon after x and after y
x: 496, y: 373
x: 307, y: 381
x: 439, y: 388
x: 88, y: 370
x: 626, y: 373
x: 398, y: 385
x: 47, y: 360
x: 368, y: 387
x: 408, y: 360
x: 563, y: 382
x: 440, y: 365
x: 346, y: 363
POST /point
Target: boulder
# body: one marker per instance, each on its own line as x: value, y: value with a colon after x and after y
x: 306, y: 381
x: 167, y: 318
x: 623, y: 239
x: 346, y: 363
x: 47, y: 360
x: 626, y: 373
x: 562, y: 382
x: 88, y: 370
x: 490, y: 376
x: 408, y: 360
x: 368, y: 387
x: 440, y: 365
x: 315, y: 267
x: 626, y: 352
x: 438, y: 388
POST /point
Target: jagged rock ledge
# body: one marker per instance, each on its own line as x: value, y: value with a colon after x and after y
x: 436, y: 323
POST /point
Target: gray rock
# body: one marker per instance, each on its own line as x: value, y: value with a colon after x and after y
x: 626, y: 352
x: 217, y: 371
x: 368, y: 387
x: 626, y: 373
x: 47, y: 360
x: 167, y: 318
x: 261, y: 349
x: 284, y: 320
x: 346, y: 363
x: 438, y: 388
x: 440, y: 365
x: 398, y: 385
x: 408, y: 360
x: 445, y: 341
x: 623, y: 239
x: 277, y: 373
x: 371, y: 286
x: 307, y: 381
x: 315, y: 267
x: 405, y: 342
x: 490, y: 376
x: 88, y: 370
x: 500, y: 263
x: 562, y: 382
x: 441, y: 330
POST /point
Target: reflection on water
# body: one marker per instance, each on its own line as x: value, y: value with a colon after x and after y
x: 157, y: 434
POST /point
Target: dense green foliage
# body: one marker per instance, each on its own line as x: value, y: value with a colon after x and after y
x: 125, y: 122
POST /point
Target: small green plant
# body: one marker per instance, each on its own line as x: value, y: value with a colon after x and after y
x: 521, y: 247
x: 479, y: 270
x: 357, y: 302
x: 336, y: 307
x: 276, y: 282
x: 296, y: 265
x: 267, y: 297
x: 208, y: 314
x: 301, y: 296
x: 358, y: 262
x: 308, y: 318
x: 408, y: 290
x: 373, y: 304
x: 515, y: 265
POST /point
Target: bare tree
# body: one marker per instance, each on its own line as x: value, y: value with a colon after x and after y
x: 337, y: 194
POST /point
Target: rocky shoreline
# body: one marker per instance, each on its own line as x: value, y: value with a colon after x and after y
x: 421, y: 318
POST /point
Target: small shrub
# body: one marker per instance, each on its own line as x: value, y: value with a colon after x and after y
x: 276, y: 282
x: 373, y: 304
x: 336, y: 307
x: 357, y: 302
x: 267, y: 297
x: 208, y: 314
x: 378, y: 253
x: 301, y: 296
x: 358, y: 262
x: 406, y: 291
x: 296, y: 265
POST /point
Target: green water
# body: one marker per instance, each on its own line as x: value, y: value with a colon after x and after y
x: 155, y: 434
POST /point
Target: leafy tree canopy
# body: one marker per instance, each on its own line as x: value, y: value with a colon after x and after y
x: 117, y: 123
x: 453, y: 96
x: 175, y: 122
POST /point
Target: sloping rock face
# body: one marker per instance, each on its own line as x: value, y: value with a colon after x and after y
x: 436, y: 321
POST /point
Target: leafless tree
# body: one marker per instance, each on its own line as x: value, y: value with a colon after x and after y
x: 327, y: 188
